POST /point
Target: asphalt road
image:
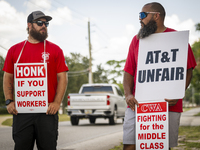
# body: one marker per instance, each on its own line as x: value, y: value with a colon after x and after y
x: 85, y: 136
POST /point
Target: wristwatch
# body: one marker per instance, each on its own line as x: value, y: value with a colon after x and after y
x: 8, y: 101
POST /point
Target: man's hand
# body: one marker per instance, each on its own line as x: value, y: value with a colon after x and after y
x: 53, y: 108
x: 11, y: 108
x: 131, y: 101
x: 171, y: 102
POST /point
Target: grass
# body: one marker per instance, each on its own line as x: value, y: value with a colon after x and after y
x: 64, y: 117
x: 8, y: 122
x: 197, y: 114
x: 186, y: 109
x: 120, y: 147
x: 5, y: 115
x: 191, y: 137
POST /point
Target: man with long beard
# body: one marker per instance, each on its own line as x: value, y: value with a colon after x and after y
x: 152, y: 21
x: 39, y: 127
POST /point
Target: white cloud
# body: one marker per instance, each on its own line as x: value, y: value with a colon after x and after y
x: 175, y: 23
x: 11, y: 20
x: 12, y: 25
x: 60, y: 16
x: 33, y: 5
x: 130, y: 29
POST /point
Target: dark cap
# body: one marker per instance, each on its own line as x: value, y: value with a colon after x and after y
x: 36, y: 15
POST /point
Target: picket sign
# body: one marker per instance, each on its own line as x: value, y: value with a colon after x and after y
x: 161, y: 73
x: 152, y: 126
x: 31, y: 93
x: 162, y: 66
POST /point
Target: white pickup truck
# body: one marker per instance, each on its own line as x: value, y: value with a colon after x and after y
x: 97, y: 101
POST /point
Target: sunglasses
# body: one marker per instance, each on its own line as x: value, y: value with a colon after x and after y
x: 143, y: 15
x: 40, y: 23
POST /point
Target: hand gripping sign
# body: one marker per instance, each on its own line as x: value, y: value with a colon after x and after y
x: 162, y: 66
x: 31, y: 87
x: 152, y: 126
x: 161, y: 73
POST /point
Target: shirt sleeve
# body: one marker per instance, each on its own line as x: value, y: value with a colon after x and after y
x: 61, y: 63
x: 130, y: 65
x: 9, y: 64
x: 191, y: 62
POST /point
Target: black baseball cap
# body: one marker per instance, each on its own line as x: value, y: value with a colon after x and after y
x: 36, y: 15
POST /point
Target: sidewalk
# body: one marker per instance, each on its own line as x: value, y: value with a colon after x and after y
x: 188, y: 118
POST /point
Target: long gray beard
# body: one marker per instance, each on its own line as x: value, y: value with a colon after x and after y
x: 147, y: 30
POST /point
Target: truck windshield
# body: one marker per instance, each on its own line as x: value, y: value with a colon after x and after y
x: 97, y: 89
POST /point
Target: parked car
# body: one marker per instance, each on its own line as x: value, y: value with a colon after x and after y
x: 97, y: 101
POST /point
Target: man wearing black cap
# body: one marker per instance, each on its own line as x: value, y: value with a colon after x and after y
x: 42, y: 127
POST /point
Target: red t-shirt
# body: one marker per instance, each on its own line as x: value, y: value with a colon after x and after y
x: 132, y: 59
x: 34, y: 53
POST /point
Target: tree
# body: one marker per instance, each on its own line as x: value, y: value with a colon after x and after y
x: 2, y: 98
x: 196, y: 72
x: 100, y: 76
x: 116, y: 71
x: 78, y: 71
x: 198, y: 26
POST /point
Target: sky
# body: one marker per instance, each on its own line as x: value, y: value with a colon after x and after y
x: 113, y: 24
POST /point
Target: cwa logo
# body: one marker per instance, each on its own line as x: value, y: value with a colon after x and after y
x: 152, y: 107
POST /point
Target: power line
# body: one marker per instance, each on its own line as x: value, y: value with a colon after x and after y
x: 4, y: 48
x: 70, y: 8
x: 77, y: 74
x: 81, y: 14
x: 82, y: 71
x: 57, y: 15
x: 102, y: 31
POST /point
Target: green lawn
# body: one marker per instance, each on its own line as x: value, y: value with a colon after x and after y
x: 190, y: 137
x: 8, y: 122
x: 197, y: 114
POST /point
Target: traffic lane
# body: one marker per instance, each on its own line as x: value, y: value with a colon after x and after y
x: 6, y: 142
x: 86, y: 133
x: 104, y: 142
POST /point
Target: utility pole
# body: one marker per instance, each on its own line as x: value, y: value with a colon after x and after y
x: 90, y: 55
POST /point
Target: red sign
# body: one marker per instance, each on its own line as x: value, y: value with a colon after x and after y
x: 30, y: 71
x: 152, y: 107
x: 152, y: 125
x: 31, y: 95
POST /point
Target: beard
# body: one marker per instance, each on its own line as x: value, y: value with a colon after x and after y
x: 147, y: 29
x: 37, y: 35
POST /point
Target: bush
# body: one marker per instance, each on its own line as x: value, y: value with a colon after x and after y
x: 3, y: 110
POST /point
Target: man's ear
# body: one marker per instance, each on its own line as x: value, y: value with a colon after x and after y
x: 29, y: 25
x: 156, y: 16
